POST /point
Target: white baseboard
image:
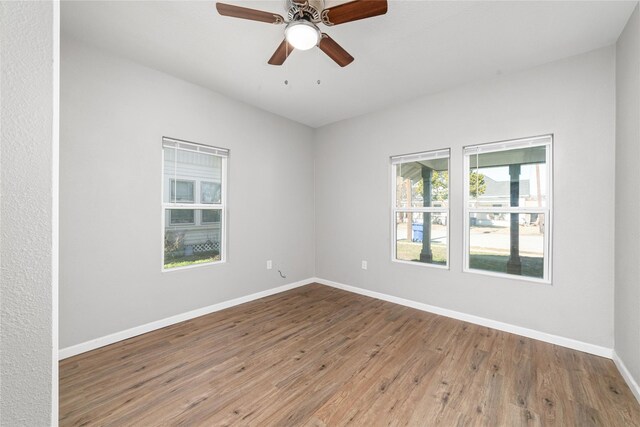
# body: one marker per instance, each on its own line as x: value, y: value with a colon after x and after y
x: 631, y: 382
x: 518, y: 330
x: 148, y: 327
x: 152, y: 326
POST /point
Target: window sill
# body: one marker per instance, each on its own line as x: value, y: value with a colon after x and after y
x: 188, y: 267
x: 422, y: 264
x: 508, y: 276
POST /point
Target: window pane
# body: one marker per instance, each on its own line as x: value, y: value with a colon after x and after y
x: 189, y: 166
x: 507, y: 243
x: 182, y: 191
x: 191, y: 243
x: 210, y: 192
x: 181, y: 216
x: 211, y: 215
x: 508, y: 178
x: 412, y: 178
x: 420, y: 243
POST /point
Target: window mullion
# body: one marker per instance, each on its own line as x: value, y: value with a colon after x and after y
x: 425, y: 209
x: 514, y: 209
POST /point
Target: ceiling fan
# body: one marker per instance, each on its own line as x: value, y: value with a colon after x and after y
x: 303, y: 16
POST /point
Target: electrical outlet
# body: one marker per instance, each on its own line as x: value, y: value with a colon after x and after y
x: 269, y: 265
x: 364, y: 265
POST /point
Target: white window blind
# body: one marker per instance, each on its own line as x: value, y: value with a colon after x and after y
x: 192, y: 146
x: 507, y: 145
x: 416, y: 157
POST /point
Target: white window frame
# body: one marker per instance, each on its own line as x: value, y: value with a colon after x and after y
x: 223, y: 154
x: 544, y: 140
x: 407, y: 158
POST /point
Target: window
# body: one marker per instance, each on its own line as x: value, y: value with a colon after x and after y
x: 508, y: 208
x: 420, y: 213
x: 193, y: 203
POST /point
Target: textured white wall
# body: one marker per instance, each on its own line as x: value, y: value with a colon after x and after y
x: 575, y: 100
x: 627, y: 234
x: 113, y: 116
x: 26, y: 157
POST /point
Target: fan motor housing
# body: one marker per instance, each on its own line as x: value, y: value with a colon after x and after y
x: 310, y: 10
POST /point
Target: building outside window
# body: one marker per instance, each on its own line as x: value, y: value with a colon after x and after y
x: 194, y: 204
x: 508, y: 208
x: 182, y: 217
x: 420, y: 208
x: 182, y: 191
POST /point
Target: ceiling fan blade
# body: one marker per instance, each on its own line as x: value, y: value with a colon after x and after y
x: 246, y: 13
x: 334, y: 51
x: 353, y: 11
x: 281, y: 53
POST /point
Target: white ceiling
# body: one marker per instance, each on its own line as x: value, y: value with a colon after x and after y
x: 417, y: 48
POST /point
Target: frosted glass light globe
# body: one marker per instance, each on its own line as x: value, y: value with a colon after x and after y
x: 302, y: 35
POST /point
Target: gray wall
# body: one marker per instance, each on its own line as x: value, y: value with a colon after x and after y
x: 113, y: 116
x: 575, y: 100
x: 627, y: 234
x: 27, y: 349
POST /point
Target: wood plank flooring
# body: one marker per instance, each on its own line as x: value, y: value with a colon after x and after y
x: 318, y: 356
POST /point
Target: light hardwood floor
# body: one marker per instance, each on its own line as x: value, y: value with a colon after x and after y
x: 318, y: 356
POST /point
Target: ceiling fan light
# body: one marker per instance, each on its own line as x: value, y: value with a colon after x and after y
x: 302, y: 35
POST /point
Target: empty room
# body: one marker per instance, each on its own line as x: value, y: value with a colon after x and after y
x: 320, y: 213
